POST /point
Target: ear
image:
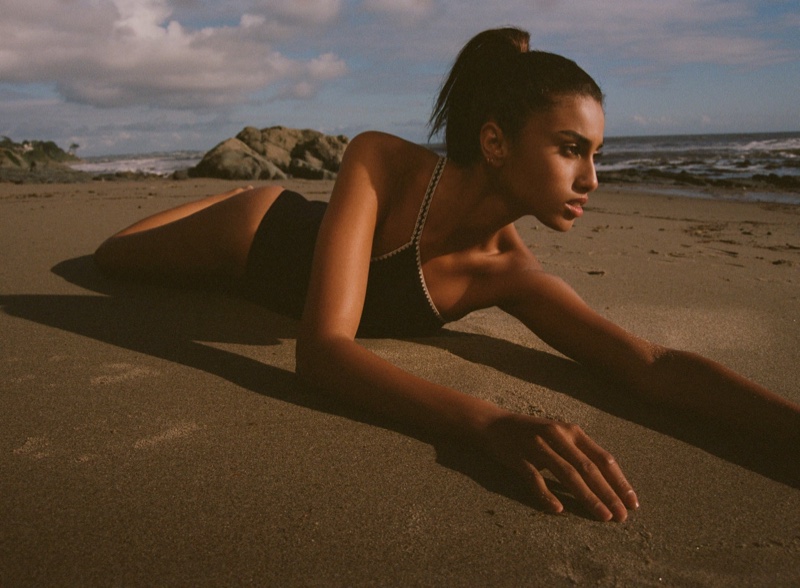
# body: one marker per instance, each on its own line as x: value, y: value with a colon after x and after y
x: 494, y: 146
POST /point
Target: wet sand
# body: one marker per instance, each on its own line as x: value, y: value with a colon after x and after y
x: 150, y: 436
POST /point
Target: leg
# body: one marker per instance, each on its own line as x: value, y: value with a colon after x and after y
x: 167, y: 216
x: 198, y: 243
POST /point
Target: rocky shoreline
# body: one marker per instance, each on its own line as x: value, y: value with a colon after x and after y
x: 273, y: 153
x: 761, y: 182
x: 281, y: 153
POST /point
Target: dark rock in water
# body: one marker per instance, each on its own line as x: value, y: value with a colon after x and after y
x: 274, y: 153
x: 767, y: 182
x: 791, y: 183
x: 124, y: 176
x: 684, y: 177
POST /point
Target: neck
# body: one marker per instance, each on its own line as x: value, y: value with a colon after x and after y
x: 468, y: 207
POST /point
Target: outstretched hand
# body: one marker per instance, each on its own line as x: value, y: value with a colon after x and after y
x: 529, y: 444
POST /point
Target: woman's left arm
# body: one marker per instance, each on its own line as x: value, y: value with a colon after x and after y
x: 688, y: 381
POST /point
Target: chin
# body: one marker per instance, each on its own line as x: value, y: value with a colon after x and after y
x: 560, y: 225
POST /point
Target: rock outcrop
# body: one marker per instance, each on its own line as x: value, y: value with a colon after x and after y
x: 37, y: 162
x: 31, y: 154
x: 274, y: 153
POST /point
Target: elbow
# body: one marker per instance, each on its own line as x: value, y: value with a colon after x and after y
x: 319, y: 359
x: 662, y: 378
x: 303, y: 361
x: 642, y: 376
x: 309, y: 359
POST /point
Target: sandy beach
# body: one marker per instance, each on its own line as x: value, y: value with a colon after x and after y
x: 155, y: 437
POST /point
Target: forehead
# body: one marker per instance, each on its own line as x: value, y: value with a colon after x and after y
x: 574, y: 114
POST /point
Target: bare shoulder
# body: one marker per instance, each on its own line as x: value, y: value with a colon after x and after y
x: 509, y: 257
x: 375, y: 148
x: 392, y: 167
x: 495, y: 273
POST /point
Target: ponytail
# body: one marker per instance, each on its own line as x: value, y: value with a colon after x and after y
x: 496, y: 76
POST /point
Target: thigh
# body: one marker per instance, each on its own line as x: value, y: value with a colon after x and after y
x: 209, y: 245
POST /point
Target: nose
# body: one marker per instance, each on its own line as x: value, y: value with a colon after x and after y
x: 586, y: 182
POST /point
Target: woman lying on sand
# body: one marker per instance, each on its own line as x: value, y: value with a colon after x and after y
x: 410, y: 241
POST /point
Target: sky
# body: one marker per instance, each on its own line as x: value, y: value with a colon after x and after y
x: 137, y: 76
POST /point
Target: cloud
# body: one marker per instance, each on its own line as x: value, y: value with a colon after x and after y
x: 304, y: 11
x: 104, y: 71
x: 325, y: 67
x: 407, y: 9
x: 311, y: 74
x: 737, y: 32
x: 113, y: 53
x: 285, y: 16
x: 678, y: 32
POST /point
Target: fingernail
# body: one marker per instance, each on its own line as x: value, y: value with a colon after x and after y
x: 555, y: 506
x: 602, y: 513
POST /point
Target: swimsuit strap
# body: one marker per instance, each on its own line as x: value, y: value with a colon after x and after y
x: 426, y: 201
x: 421, y: 216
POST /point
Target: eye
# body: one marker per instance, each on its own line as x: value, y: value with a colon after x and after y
x: 572, y: 150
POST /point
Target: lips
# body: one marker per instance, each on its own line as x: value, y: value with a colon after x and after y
x: 575, y: 207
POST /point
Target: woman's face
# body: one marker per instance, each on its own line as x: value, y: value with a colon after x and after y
x: 549, y: 171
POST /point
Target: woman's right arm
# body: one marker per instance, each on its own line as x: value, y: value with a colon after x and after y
x: 327, y: 354
x: 329, y: 358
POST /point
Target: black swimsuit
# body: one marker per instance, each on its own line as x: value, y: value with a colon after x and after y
x: 279, y: 267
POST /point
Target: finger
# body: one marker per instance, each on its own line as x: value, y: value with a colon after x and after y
x: 575, y: 481
x: 587, y: 468
x: 597, y: 468
x: 546, y: 499
x: 611, y: 471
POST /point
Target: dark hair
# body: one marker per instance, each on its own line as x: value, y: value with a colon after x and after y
x: 496, y: 76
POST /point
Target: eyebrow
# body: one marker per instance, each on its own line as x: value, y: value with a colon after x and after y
x: 584, y: 142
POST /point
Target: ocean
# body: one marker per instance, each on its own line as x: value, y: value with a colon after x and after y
x: 758, y: 166
x: 708, y: 156
x: 158, y: 163
x: 767, y: 165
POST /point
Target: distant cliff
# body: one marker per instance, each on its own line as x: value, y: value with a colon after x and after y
x: 35, y: 161
x: 30, y: 154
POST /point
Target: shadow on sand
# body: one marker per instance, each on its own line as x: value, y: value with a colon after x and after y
x: 168, y: 323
